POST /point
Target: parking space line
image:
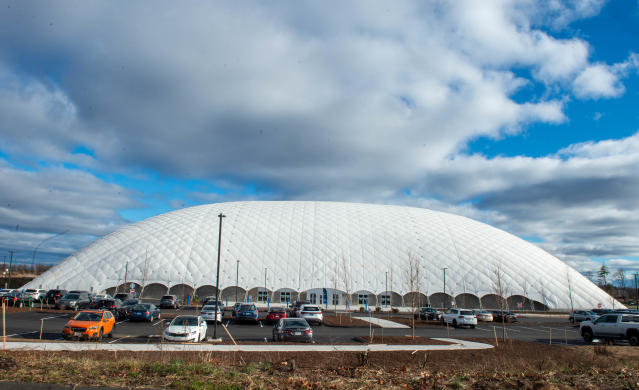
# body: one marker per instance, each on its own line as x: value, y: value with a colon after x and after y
x: 485, y: 330
x: 159, y: 322
x: 122, y: 321
x: 261, y: 324
x: 48, y: 318
x: 116, y: 340
x: 535, y: 329
x: 20, y: 334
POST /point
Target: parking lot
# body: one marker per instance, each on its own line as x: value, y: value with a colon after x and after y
x: 48, y: 324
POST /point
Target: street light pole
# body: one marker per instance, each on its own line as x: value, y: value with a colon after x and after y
x: 636, y: 292
x: 445, y: 298
x: 217, y: 279
x: 237, y: 278
x: 386, y: 292
x: 265, y: 290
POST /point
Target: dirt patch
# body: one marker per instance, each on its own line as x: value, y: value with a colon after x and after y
x: 516, y: 365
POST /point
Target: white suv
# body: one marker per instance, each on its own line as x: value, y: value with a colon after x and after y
x: 33, y: 294
x: 459, y: 317
x: 311, y: 313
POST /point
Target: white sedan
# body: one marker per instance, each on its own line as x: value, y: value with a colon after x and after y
x: 209, y: 313
x: 186, y: 328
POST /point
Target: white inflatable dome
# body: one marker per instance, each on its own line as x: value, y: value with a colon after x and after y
x: 329, y: 252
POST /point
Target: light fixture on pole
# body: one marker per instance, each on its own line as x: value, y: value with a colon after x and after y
x: 237, y: 278
x: 445, y: 298
x: 386, y: 292
x: 217, y: 279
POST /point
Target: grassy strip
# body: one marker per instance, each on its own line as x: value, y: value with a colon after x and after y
x: 517, y: 365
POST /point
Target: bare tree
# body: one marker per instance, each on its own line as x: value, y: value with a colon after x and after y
x: 500, y: 289
x: 144, y: 272
x: 542, y: 291
x: 346, y: 280
x: 620, y: 275
x: 412, y: 282
x: 568, y: 279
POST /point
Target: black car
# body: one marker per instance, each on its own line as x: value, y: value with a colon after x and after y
x: 129, y: 304
x: 427, y: 313
x: 293, y: 329
x: 53, y: 296
x: 113, y: 305
x: 505, y: 316
x: 12, y: 298
x: 169, y: 301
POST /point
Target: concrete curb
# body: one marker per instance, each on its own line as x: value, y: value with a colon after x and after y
x: 455, y: 345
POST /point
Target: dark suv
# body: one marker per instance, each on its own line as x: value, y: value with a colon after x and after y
x: 53, y: 295
x: 169, y: 301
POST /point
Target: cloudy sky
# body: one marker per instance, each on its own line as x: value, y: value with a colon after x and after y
x: 521, y: 114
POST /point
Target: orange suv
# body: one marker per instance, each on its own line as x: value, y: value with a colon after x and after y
x: 90, y: 324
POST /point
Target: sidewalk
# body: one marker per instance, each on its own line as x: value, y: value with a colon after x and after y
x: 383, y: 323
x: 457, y: 345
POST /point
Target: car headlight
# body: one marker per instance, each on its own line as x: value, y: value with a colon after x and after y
x: 94, y: 327
x: 72, y: 303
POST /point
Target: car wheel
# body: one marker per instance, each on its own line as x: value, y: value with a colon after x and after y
x: 472, y: 327
x: 99, y: 338
x: 633, y: 339
x: 572, y: 320
x: 587, y: 335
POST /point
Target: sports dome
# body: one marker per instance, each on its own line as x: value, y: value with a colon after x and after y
x: 327, y: 252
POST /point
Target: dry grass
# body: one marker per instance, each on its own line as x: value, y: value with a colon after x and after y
x: 515, y: 365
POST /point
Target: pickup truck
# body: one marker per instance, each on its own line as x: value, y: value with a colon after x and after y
x: 612, y: 326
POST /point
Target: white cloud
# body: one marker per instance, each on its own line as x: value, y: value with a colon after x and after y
x: 604, y: 81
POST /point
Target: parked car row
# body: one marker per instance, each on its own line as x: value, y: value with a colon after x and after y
x: 429, y: 313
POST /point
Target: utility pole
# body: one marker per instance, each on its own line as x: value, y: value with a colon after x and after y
x: 237, y: 278
x: 10, y: 263
x: 126, y: 272
x: 636, y: 292
x: 386, y: 292
x: 445, y: 298
x: 217, y: 279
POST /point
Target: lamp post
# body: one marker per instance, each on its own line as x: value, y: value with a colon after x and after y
x: 237, y: 278
x: 265, y: 290
x: 445, y: 298
x: 217, y: 279
x: 386, y: 292
x: 636, y: 292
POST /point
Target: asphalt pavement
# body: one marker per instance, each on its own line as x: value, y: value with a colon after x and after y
x: 27, y: 325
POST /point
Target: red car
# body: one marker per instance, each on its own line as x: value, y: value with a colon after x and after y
x: 275, y: 314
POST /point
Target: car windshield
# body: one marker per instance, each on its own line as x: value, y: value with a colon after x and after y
x: 85, y: 316
x: 208, y: 307
x: 295, y: 323
x: 131, y: 302
x: 71, y: 296
x: 277, y: 311
x: 311, y: 308
x: 247, y: 307
x: 466, y: 313
x: 184, y: 321
x: 141, y: 307
x: 167, y: 297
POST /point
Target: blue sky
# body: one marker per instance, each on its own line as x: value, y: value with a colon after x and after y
x: 520, y: 114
